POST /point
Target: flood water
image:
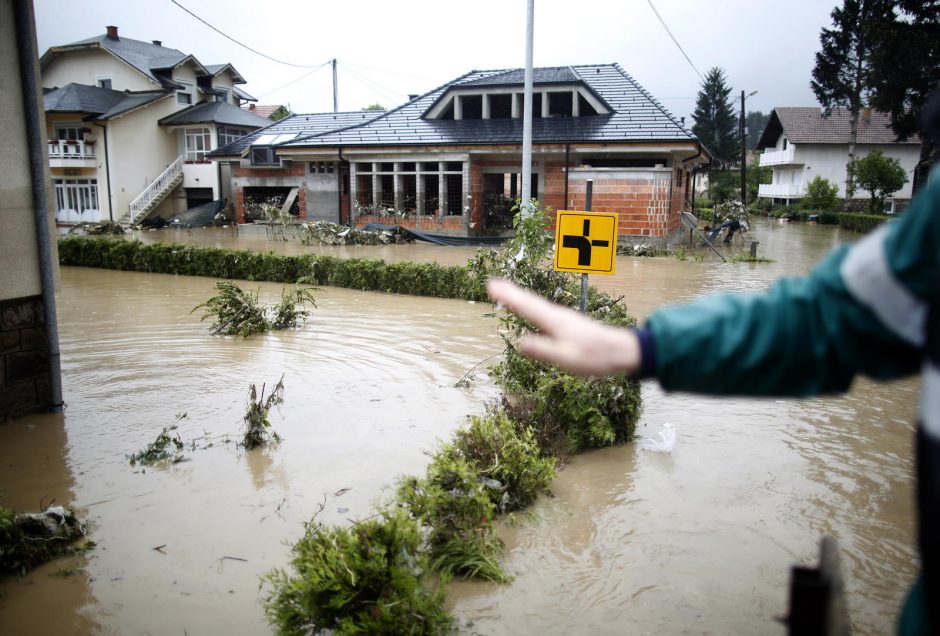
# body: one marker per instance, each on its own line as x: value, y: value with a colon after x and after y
x: 698, y: 541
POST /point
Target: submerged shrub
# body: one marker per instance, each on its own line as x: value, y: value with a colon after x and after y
x: 452, y: 503
x: 238, y: 313
x: 257, y: 424
x: 507, y: 457
x: 367, y: 579
x: 30, y: 539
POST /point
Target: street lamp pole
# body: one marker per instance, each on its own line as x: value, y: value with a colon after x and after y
x: 743, y: 150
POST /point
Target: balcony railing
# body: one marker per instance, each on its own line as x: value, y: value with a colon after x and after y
x: 62, y: 149
x: 780, y: 190
x: 777, y: 157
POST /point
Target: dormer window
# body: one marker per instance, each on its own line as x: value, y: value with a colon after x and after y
x: 507, y: 103
x: 185, y: 94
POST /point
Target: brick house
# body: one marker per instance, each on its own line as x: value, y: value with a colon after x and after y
x: 108, y: 97
x: 449, y: 161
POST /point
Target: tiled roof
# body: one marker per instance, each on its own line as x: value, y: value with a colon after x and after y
x: 549, y: 75
x: 297, y: 125
x: 242, y: 95
x: 102, y: 103
x: 79, y: 98
x: 146, y: 57
x: 808, y: 125
x: 215, y: 113
x: 636, y: 117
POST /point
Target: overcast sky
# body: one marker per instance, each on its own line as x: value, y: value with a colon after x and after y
x: 389, y: 49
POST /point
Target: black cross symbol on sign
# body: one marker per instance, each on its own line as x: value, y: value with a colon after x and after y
x: 583, y: 244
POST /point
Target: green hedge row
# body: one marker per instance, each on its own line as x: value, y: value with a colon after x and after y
x: 861, y: 222
x: 417, y: 279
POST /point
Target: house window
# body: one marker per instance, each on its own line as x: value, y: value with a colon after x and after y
x: 198, y: 143
x: 103, y: 82
x: 224, y: 96
x: 228, y: 134
x: 185, y: 94
x: 68, y: 132
x: 454, y: 194
x: 784, y: 143
x: 322, y: 167
x: 264, y: 156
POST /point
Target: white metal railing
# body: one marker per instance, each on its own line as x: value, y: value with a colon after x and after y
x: 777, y: 157
x: 71, y: 149
x: 157, y: 187
x: 780, y: 190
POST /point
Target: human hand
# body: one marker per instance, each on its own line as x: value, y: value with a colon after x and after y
x: 569, y: 339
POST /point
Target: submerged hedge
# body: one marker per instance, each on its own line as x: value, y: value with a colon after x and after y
x: 863, y: 223
x: 416, y: 279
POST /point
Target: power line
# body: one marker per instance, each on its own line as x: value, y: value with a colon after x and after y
x: 256, y: 52
x: 663, y: 22
x: 378, y: 88
x: 294, y: 81
x: 381, y: 70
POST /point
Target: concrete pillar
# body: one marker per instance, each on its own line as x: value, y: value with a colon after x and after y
x: 420, y: 204
x: 442, y: 188
x: 353, y: 186
x: 574, y: 104
x: 398, y: 186
x: 458, y: 107
x: 516, y: 105
x: 544, y: 104
x: 376, y: 186
x: 486, y: 106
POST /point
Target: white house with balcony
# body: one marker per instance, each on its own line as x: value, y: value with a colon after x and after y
x: 129, y: 124
x: 801, y: 143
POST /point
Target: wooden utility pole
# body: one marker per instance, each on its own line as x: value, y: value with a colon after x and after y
x: 743, y: 155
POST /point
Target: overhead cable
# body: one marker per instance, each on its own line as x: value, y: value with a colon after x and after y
x: 663, y: 22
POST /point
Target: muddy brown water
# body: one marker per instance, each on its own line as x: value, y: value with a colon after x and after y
x: 698, y: 541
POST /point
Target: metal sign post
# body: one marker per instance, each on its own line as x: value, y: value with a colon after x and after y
x: 588, y: 199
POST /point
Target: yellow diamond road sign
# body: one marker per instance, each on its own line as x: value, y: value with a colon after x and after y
x: 585, y: 242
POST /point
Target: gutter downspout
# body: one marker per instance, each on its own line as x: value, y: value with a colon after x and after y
x: 107, y: 170
x: 26, y: 51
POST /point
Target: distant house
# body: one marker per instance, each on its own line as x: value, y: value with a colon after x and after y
x: 803, y: 143
x: 130, y: 123
x: 274, y: 112
x: 445, y: 160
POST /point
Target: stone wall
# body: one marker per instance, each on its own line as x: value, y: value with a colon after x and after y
x: 24, y: 358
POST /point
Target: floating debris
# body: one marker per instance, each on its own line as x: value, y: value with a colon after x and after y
x: 239, y: 313
x: 326, y: 233
x: 97, y: 229
x: 161, y: 449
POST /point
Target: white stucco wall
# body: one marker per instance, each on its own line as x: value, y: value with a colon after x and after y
x: 828, y: 161
x: 85, y: 67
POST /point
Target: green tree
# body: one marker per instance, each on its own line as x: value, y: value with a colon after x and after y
x: 281, y: 113
x: 375, y: 106
x: 879, y: 176
x: 716, y: 125
x: 905, y: 67
x: 754, y: 124
x: 821, y: 194
x: 841, y: 75
x: 756, y: 175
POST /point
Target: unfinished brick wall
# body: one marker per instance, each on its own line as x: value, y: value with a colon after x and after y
x: 420, y: 222
x: 647, y: 207
x: 24, y: 358
x: 291, y: 170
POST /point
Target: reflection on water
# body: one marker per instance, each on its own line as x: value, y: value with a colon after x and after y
x: 632, y: 542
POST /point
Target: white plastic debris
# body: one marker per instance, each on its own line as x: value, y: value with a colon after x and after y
x: 662, y: 442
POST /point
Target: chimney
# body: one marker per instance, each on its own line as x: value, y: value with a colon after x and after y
x: 411, y: 98
x: 157, y: 43
x: 112, y: 33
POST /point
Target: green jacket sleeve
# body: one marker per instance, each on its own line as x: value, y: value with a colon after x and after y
x: 860, y: 311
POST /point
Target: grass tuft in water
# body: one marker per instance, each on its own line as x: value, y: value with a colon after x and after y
x: 258, y: 427
x: 239, y: 313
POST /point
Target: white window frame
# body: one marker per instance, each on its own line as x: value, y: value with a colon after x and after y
x: 79, y: 195
x: 197, y: 142
x: 104, y: 78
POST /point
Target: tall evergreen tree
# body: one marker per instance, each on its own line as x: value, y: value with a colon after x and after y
x: 905, y: 68
x: 754, y: 124
x: 716, y: 125
x: 842, y: 73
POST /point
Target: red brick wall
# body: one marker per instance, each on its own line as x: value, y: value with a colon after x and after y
x: 239, y: 205
x: 294, y: 170
x: 554, y: 192
x: 643, y: 204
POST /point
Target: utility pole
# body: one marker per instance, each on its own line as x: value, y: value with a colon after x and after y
x: 527, y: 110
x: 336, y: 91
x: 743, y: 156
